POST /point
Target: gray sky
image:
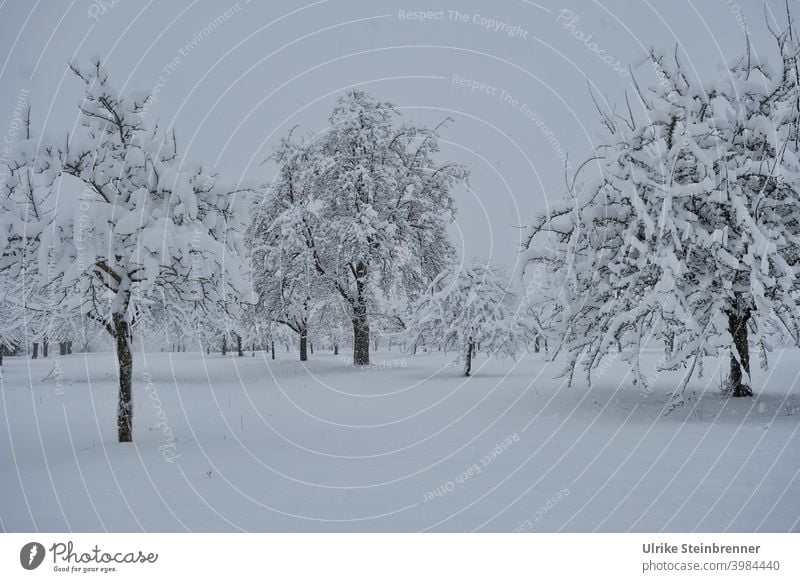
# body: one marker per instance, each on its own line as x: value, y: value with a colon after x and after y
x: 233, y: 77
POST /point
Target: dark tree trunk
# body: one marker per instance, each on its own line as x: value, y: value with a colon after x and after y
x: 224, y: 345
x: 2, y: 351
x: 335, y: 349
x: 125, y: 405
x: 303, y: 345
x: 311, y: 347
x: 536, y: 345
x: 272, y: 349
x: 360, y: 320
x: 737, y: 326
x: 360, y: 337
x: 69, y: 347
x: 669, y: 346
x: 239, y: 351
x: 468, y: 358
x: 45, y: 345
x: 35, y: 350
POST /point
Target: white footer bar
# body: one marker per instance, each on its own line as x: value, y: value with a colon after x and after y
x: 400, y: 557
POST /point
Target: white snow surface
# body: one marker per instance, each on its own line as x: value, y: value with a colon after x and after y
x: 406, y: 445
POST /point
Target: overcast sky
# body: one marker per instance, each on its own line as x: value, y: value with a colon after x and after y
x: 233, y: 77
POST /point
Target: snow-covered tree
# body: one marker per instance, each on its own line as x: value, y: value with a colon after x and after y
x: 689, y: 230
x: 329, y: 323
x: 139, y: 222
x: 468, y: 307
x: 541, y: 307
x: 542, y: 314
x: 12, y: 314
x: 376, y: 208
x: 285, y: 281
x: 27, y: 205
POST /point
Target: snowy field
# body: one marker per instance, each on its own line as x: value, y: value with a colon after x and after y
x: 407, y: 445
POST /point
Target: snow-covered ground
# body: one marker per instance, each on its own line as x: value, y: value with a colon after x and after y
x: 404, y: 446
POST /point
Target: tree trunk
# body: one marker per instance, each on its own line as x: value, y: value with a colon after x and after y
x: 2, y: 351
x: 69, y: 347
x: 311, y: 347
x: 240, y: 353
x: 224, y: 345
x: 304, y: 345
x: 737, y: 326
x: 35, y: 350
x: 536, y: 345
x: 468, y: 358
x: 125, y: 405
x: 335, y: 349
x: 360, y: 320
x: 45, y: 345
x: 360, y: 337
x: 272, y: 348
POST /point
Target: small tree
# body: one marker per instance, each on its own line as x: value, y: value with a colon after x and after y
x: 330, y: 323
x: 285, y: 281
x: 471, y: 307
x: 142, y: 223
